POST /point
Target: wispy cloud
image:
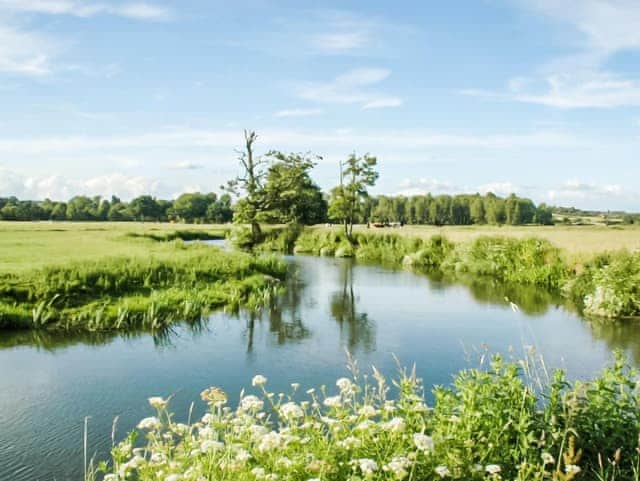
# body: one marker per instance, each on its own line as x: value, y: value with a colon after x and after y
x: 25, y: 53
x: 604, y: 27
x: 185, y: 165
x: 340, y: 42
x: 134, y: 10
x: 297, y: 113
x: 352, y: 87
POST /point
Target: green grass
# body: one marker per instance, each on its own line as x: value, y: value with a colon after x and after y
x: 508, y: 420
x: 128, y: 276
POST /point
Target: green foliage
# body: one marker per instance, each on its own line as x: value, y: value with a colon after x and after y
x: 609, y: 285
x: 291, y: 195
x: 529, y: 261
x: 500, y: 422
x: 347, y: 199
x: 129, y: 292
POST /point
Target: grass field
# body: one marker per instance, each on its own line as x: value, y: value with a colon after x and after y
x: 103, y: 276
x: 31, y: 245
x: 576, y: 241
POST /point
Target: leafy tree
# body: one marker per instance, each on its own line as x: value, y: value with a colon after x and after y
x: 191, y: 207
x: 290, y: 194
x: 144, y: 208
x: 356, y: 175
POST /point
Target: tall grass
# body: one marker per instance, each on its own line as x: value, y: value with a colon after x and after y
x: 134, y: 292
x: 504, y: 421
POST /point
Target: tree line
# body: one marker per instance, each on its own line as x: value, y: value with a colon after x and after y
x: 278, y: 188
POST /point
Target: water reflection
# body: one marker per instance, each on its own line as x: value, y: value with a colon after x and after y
x: 355, y: 327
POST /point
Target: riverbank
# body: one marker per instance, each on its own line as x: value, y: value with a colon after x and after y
x: 603, y: 284
x: 83, y: 277
x: 507, y: 420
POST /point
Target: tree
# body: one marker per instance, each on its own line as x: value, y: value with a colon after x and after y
x: 291, y: 196
x: 249, y: 186
x: 191, y: 207
x: 356, y: 174
x: 144, y: 208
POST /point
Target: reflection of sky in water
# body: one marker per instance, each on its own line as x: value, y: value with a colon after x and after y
x: 330, y: 307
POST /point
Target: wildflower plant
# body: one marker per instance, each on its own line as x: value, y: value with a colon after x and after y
x: 489, y: 425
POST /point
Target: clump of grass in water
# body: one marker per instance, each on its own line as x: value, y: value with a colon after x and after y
x: 499, y: 422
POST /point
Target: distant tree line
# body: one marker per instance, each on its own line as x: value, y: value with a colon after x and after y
x: 462, y: 209
x: 189, y: 208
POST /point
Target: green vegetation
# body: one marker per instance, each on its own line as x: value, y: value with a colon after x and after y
x: 605, y: 286
x: 504, y: 421
x: 147, y: 282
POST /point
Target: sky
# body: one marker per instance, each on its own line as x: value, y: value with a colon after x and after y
x: 125, y: 97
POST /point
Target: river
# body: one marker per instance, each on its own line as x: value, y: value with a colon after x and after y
x: 50, y: 383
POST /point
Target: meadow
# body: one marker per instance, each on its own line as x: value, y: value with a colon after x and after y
x: 123, y: 276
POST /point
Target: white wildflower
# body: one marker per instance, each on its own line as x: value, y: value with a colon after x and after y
x: 394, y: 425
x: 157, y: 402
x: 149, y: 423
x: 251, y: 403
x: 333, y: 402
x: 110, y: 477
x: 270, y: 441
x: 398, y: 466
x: 548, y: 459
x: 210, y: 445
x: 259, y: 380
x: 350, y: 443
x: 572, y: 469
x: 367, y: 466
x: 423, y: 442
x: 442, y: 471
x: 492, y: 468
x: 344, y: 384
x: 291, y: 410
x: 258, y: 472
x: 367, y: 411
x: 295, y: 386
x: 173, y: 477
x: 207, y: 418
x: 243, y: 455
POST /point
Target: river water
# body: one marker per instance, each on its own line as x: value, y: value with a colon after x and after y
x: 49, y: 384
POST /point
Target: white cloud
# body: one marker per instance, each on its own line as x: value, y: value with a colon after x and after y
x: 185, y: 165
x: 574, y: 190
x: 352, y: 87
x: 502, y: 188
x: 424, y: 185
x: 402, y: 140
x: 298, y: 113
x: 339, y: 42
x: 383, y: 102
x: 135, y: 10
x: 569, y: 91
x: 58, y: 187
x: 605, y: 27
x: 25, y: 53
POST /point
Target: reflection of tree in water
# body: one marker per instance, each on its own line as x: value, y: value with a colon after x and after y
x: 619, y: 334
x: 357, y: 328
x: 531, y: 300
x: 283, y: 315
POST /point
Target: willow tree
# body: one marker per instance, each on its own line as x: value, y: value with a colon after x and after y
x: 347, y: 199
x: 249, y: 187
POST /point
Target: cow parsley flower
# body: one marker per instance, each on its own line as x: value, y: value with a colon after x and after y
x: 251, y: 403
x: 258, y: 380
x: 367, y: 466
x: 333, y: 402
x: 394, y: 425
x: 492, y: 468
x: 423, y: 442
x: 548, y: 459
x: 291, y: 410
x: 157, y: 402
x: 442, y: 471
x: 150, y: 423
x: 572, y: 469
x: 344, y: 384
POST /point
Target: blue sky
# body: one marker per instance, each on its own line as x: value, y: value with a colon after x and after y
x: 540, y: 97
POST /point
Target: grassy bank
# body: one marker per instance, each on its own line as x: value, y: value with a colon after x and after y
x: 605, y: 284
x: 503, y: 421
x: 123, y: 277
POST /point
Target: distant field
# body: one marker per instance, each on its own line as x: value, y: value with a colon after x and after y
x: 29, y: 245
x: 576, y: 240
